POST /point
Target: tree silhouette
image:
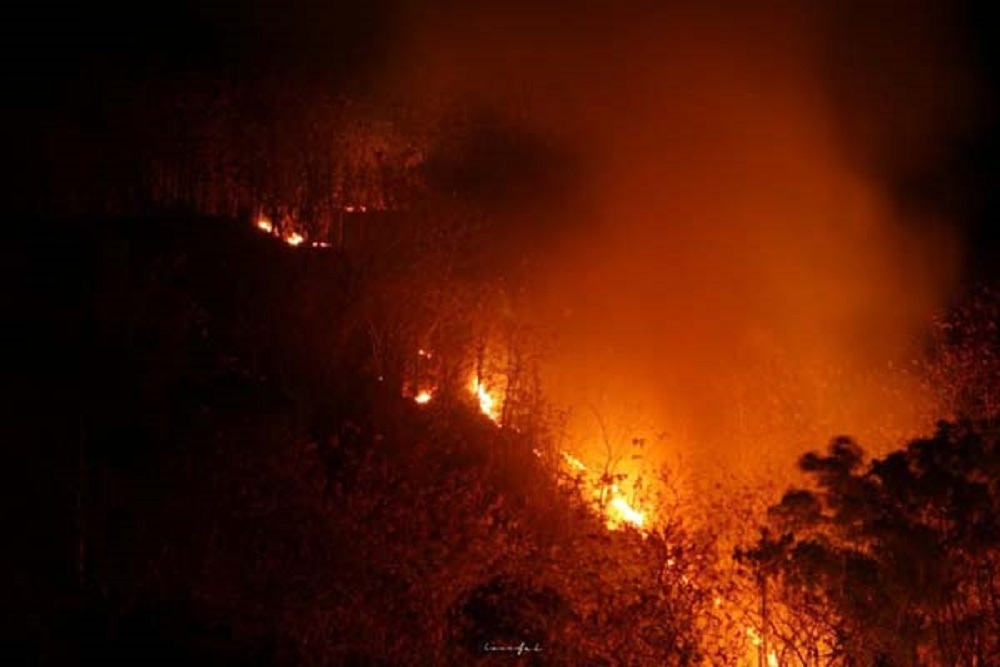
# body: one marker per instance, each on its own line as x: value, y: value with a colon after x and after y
x: 896, y: 559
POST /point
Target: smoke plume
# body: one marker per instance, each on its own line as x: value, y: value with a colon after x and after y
x: 733, y: 262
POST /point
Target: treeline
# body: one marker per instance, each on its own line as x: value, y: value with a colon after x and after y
x: 892, y: 562
x: 219, y: 146
x: 233, y: 485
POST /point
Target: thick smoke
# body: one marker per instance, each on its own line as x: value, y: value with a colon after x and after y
x: 733, y: 263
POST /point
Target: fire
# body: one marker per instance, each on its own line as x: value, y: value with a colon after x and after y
x: 487, y: 403
x: 294, y: 239
x: 265, y: 225
x: 423, y: 396
x: 574, y: 462
x: 757, y: 640
x: 623, y: 512
x: 618, y: 512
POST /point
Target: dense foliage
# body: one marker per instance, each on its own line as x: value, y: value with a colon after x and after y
x: 892, y: 562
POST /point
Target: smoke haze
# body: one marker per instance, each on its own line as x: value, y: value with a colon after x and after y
x: 733, y: 262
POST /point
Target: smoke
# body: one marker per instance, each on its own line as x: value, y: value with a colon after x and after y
x: 733, y: 262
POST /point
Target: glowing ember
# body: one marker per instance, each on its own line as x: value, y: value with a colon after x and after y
x: 423, y: 397
x: 294, y: 239
x: 265, y: 225
x: 487, y: 403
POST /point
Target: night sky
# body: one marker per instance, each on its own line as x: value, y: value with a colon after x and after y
x: 61, y: 56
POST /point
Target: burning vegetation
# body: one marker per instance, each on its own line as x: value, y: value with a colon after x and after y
x: 509, y: 353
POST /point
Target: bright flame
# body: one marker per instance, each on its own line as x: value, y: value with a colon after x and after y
x: 423, y: 396
x: 624, y: 512
x: 618, y: 511
x: 294, y: 239
x: 487, y: 403
x: 574, y: 462
x: 264, y: 224
x: 756, y: 639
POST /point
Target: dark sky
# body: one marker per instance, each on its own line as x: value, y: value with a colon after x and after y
x: 776, y: 174
x: 58, y: 52
x: 325, y: 39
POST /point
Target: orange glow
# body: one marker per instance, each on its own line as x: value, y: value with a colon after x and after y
x: 756, y: 640
x: 265, y: 225
x: 488, y: 404
x: 423, y: 396
x: 620, y: 511
x: 294, y: 239
x: 574, y: 462
x: 744, y: 320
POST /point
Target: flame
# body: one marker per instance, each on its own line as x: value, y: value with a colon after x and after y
x: 574, y: 462
x: 618, y: 512
x: 423, y: 396
x: 487, y: 402
x: 294, y: 239
x: 757, y: 639
x: 623, y: 512
x: 265, y: 225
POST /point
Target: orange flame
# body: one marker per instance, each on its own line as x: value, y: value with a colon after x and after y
x: 756, y: 639
x: 423, y: 396
x: 294, y: 239
x: 265, y: 225
x: 487, y: 402
x: 618, y: 512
